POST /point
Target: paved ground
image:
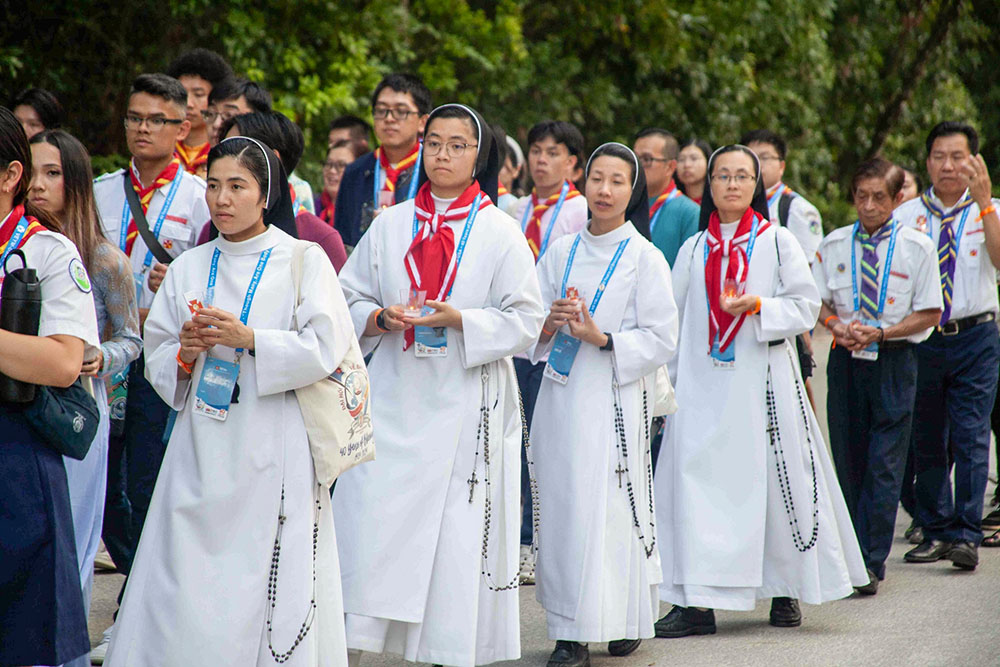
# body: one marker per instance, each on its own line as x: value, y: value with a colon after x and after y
x: 923, y: 615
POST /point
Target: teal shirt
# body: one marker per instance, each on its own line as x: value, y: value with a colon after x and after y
x: 678, y: 219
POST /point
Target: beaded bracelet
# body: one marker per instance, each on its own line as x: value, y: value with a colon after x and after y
x: 188, y: 368
x: 986, y: 211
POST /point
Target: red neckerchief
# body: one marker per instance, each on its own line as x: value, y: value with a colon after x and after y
x: 146, y: 195
x: 720, y: 322
x: 533, y: 231
x: 192, y: 158
x: 662, y: 199
x: 430, y: 261
x: 501, y: 190
x: 9, y: 225
x: 392, y: 172
x: 327, y: 203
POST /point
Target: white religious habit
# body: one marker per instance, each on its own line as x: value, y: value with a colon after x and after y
x: 598, y: 566
x: 747, y: 501
x: 209, y: 585
x: 429, y: 531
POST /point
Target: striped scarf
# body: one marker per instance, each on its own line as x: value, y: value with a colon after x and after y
x: 533, y: 231
x: 192, y: 158
x: 392, y: 172
x: 146, y: 195
x: 947, y: 246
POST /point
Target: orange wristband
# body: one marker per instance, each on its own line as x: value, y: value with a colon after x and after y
x: 189, y: 368
x: 986, y: 211
x: 547, y: 332
x: 377, y: 314
x: 826, y: 322
x: 756, y: 308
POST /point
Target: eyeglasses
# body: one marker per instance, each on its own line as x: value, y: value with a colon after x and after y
x: 454, y: 148
x: 156, y: 123
x: 399, y: 113
x: 768, y: 158
x: 739, y: 179
x: 210, y: 116
x: 335, y: 166
x: 649, y: 160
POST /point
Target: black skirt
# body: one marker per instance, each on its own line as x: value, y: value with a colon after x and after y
x: 42, y: 621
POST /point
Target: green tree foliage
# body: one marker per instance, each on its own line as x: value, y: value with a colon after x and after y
x: 842, y: 79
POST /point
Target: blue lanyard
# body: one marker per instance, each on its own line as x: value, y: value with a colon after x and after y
x: 773, y: 199
x: 126, y: 216
x: 15, y: 238
x: 656, y: 218
x: 213, y: 272
x: 885, y: 270
x: 412, y: 192
x: 958, y: 234
x: 552, y: 219
x: 607, y: 274
x: 469, y: 221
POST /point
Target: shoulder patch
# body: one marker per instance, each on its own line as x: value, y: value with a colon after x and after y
x: 79, y: 275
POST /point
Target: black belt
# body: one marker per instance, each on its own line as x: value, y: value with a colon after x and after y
x: 775, y: 343
x: 953, y: 327
x: 894, y: 345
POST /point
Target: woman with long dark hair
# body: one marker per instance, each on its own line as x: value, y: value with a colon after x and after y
x: 42, y: 619
x: 692, y: 163
x: 62, y: 185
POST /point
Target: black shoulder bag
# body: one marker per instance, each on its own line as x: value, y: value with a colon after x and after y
x: 153, y: 243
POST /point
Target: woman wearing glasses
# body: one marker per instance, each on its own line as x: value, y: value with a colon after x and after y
x: 444, y: 490
x: 338, y: 157
x: 748, y: 504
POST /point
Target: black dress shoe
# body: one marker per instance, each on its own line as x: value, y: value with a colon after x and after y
x: 917, y: 536
x: 871, y: 588
x: 785, y: 613
x: 928, y: 551
x: 684, y: 621
x: 621, y: 647
x: 964, y: 555
x: 569, y: 654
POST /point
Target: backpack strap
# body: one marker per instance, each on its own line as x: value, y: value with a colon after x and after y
x: 784, y: 205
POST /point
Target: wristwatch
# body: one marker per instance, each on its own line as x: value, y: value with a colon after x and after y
x: 610, y: 345
x: 380, y: 321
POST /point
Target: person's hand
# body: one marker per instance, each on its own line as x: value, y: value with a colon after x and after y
x: 444, y: 315
x: 93, y: 366
x: 392, y: 317
x: 156, y: 276
x: 864, y: 335
x: 218, y: 327
x: 191, y: 342
x: 737, y: 305
x: 980, y: 186
x: 563, y: 311
x: 842, y: 335
x: 587, y: 330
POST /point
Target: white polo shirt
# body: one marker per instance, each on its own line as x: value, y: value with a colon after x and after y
x: 804, y: 222
x: 184, y: 220
x: 913, y: 279
x: 975, y: 284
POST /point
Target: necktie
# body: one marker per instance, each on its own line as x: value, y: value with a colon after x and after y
x: 947, y: 247
x: 869, y: 269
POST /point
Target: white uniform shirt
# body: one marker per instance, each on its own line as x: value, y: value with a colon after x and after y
x: 913, y: 279
x: 804, y: 222
x: 67, y: 301
x: 187, y: 214
x: 975, y: 284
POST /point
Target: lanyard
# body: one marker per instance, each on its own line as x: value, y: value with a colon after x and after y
x: 674, y: 194
x: 126, y: 216
x: 773, y: 199
x: 958, y: 233
x: 251, y: 288
x: 607, y: 274
x: 552, y: 219
x: 469, y: 221
x: 885, y: 270
x: 15, y: 238
x: 412, y: 192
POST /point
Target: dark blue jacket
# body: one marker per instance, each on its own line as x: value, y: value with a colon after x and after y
x: 355, y: 206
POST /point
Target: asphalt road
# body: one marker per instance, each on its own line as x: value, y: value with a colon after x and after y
x: 923, y: 615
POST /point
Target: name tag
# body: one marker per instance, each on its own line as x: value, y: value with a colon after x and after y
x: 215, y: 388
x: 561, y: 359
x: 725, y: 360
x: 870, y: 353
x: 430, y: 341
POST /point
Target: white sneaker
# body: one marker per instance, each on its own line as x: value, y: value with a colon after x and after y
x: 98, y: 653
x: 526, y: 576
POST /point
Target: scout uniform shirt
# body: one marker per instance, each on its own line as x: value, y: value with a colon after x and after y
x: 804, y: 220
x: 183, y: 222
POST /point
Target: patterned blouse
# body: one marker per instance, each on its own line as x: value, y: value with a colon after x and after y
x: 117, y: 308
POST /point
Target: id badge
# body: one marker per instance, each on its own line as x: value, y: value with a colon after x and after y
x: 215, y: 388
x: 561, y: 358
x: 430, y: 341
x: 118, y: 395
x: 870, y: 353
x: 725, y: 360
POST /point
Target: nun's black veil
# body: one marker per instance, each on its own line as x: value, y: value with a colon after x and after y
x: 487, y: 155
x: 759, y: 201
x: 638, y: 204
x: 278, y: 210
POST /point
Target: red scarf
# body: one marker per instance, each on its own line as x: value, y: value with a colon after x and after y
x: 533, y: 232
x: 146, y: 195
x: 192, y: 157
x: 9, y: 225
x: 501, y: 190
x: 720, y: 322
x: 430, y: 261
x: 327, y: 202
x: 392, y: 172
x: 662, y: 199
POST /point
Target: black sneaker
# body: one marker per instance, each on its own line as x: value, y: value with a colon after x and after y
x: 622, y: 647
x: 785, y: 613
x: 684, y: 621
x: 570, y: 654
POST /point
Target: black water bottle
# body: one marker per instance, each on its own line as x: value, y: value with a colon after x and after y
x: 20, y: 311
